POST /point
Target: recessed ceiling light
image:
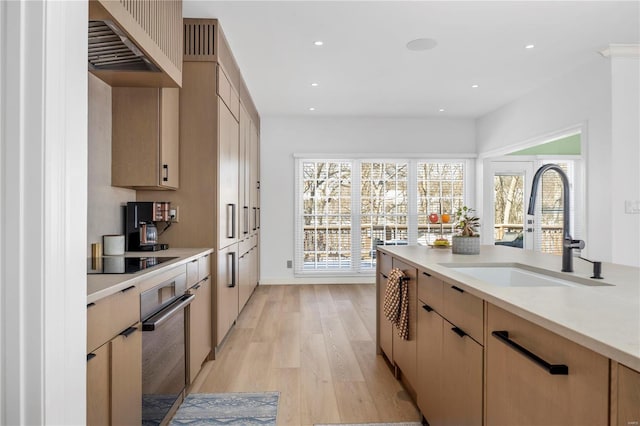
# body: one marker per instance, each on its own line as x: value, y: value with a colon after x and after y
x: 312, y: 109
x: 529, y: 46
x: 314, y: 84
x: 475, y: 86
x: 318, y: 43
x: 441, y: 110
x: 422, y: 44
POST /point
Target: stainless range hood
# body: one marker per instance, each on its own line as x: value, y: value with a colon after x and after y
x: 111, y: 50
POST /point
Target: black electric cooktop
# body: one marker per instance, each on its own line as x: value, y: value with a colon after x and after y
x: 122, y: 265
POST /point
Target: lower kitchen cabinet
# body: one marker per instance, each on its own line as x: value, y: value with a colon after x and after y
x: 199, y: 326
x: 114, y: 380
x: 625, y: 392
x: 449, y: 373
x: 404, y: 351
x: 385, y: 328
x: 98, y: 390
x: 521, y: 390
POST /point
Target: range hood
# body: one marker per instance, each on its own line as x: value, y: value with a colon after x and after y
x: 111, y: 50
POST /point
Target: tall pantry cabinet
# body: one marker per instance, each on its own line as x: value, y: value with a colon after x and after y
x: 219, y: 176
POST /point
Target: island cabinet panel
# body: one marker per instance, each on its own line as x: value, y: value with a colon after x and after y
x: 404, y: 351
x: 430, y: 290
x: 109, y: 316
x: 228, y: 174
x: 226, y: 294
x: 464, y: 310
x: 520, y: 391
x: 625, y: 392
x: 385, y: 328
x: 429, y: 364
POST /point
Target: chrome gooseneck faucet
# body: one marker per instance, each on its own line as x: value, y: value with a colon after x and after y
x: 568, y: 243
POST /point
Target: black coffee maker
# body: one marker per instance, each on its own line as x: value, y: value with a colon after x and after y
x: 141, y: 233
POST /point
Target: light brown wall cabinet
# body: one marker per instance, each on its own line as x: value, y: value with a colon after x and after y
x: 449, y: 360
x: 145, y: 133
x: 114, y: 360
x: 521, y: 390
x: 219, y: 138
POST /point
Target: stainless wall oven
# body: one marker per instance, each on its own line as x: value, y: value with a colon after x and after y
x: 162, y: 311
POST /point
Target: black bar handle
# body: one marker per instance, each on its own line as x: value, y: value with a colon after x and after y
x: 90, y: 356
x: 555, y: 369
x: 404, y: 279
x: 165, y: 169
x: 197, y: 286
x: 245, y: 229
x: 460, y: 332
x: 128, y: 331
x: 232, y: 267
x: 93, y: 304
x: 427, y: 308
x: 255, y: 219
x: 205, y: 278
x: 131, y: 287
x: 384, y: 276
x: 427, y: 274
x: 457, y: 289
x: 194, y: 260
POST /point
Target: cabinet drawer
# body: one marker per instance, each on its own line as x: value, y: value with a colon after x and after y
x: 109, y: 316
x: 464, y: 310
x: 384, y: 261
x: 228, y: 93
x: 430, y: 290
x: 519, y: 389
x: 193, y: 275
x: 204, y: 267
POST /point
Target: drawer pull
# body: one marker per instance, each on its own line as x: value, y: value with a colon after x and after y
x: 460, y: 332
x: 194, y: 260
x: 426, y: 274
x: 384, y: 276
x: 90, y: 357
x: 128, y: 332
x: 457, y: 289
x: 427, y: 308
x: 205, y: 279
x: 128, y: 288
x: 556, y: 369
x: 197, y: 286
x: 89, y: 305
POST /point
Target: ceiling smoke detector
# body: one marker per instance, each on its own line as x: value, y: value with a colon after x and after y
x: 422, y: 44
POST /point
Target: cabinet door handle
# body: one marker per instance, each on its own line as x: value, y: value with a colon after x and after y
x: 460, y: 332
x: 89, y: 305
x: 427, y: 308
x: 165, y: 169
x: 255, y: 219
x: 556, y: 369
x: 427, y: 274
x: 197, y: 286
x: 90, y: 356
x: 128, y: 331
x: 231, y: 220
x: 194, y: 260
x: 205, y: 279
x: 457, y: 289
x: 258, y: 218
x: 384, y: 276
x: 232, y: 268
x: 246, y: 220
x: 131, y: 287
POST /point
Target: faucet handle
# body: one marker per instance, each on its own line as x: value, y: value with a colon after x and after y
x: 574, y: 244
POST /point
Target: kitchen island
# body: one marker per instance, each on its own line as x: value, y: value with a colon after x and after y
x: 591, y: 328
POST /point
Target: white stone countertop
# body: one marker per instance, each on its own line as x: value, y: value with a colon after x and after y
x: 103, y: 285
x: 605, y: 319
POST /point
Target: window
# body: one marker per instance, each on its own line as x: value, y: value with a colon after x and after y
x: 345, y: 208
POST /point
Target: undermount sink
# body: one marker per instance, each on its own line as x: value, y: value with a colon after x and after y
x: 514, y: 276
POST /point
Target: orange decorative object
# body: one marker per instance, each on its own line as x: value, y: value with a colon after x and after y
x: 446, y: 218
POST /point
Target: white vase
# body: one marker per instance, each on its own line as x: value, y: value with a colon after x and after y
x: 465, y: 245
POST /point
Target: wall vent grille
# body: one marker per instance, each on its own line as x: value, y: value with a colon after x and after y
x: 199, y: 40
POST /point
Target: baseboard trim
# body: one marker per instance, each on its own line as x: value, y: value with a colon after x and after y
x: 318, y: 280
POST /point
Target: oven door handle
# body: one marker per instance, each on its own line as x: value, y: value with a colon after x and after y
x: 156, y: 320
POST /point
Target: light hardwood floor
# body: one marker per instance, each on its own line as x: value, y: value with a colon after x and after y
x: 315, y: 344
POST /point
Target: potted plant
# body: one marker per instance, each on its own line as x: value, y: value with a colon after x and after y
x: 468, y: 240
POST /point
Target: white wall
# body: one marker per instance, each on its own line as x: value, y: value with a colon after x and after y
x: 625, y: 158
x: 104, y: 215
x: 281, y: 137
x: 581, y: 97
x: 43, y: 204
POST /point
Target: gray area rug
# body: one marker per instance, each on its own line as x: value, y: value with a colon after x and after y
x: 372, y: 424
x: 259, y: 408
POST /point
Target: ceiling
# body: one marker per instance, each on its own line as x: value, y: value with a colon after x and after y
x: 365, y: 69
